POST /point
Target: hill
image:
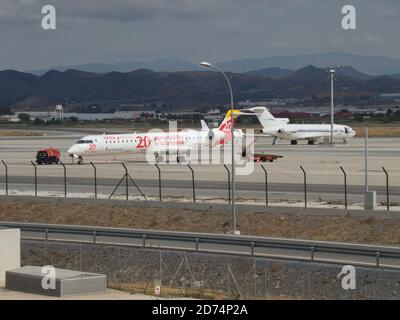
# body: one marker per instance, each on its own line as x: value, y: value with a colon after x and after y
x: 273, y: 73
x: 159, y: 65
x: 178, y: 89
x: 370, y: 65
x: 373, y: 65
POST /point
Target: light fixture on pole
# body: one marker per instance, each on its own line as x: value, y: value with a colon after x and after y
x: 233, y: 186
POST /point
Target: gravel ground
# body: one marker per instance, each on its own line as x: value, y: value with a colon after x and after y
x: 345, y: 229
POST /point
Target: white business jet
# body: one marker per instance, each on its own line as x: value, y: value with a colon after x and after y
x: 280, y: 129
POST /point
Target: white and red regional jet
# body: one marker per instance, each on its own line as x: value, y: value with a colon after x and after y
x: 158, y: 143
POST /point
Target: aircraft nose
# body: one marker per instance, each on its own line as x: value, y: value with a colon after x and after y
x: 72, y: 150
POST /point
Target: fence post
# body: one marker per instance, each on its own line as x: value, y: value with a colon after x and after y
x: 312, y: 251
x: 305, y: 186
x: 193, y: 187
x: 34, y: 165
x: 6, y: 172
x: 387, y: 189
x: 345, y: 187
x: 65, y: 179
x: 95, y: 179
x: 159, y: 181
x: 229, y: 182
x: 266, y: 185
x: 126, y: 181
x: 144, y: 240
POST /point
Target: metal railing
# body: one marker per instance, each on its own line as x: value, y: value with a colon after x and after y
x: 291, y: 249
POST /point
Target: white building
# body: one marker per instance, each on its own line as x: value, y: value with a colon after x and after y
x: 59, y: 113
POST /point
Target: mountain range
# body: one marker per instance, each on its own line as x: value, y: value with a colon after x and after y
x: 159, y: 65
x: 182, y: 89
x: 278, y: 73
x: 370, y: 65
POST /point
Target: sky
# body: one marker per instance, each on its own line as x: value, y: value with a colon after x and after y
x: 214, y: 30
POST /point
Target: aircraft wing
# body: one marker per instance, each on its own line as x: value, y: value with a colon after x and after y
x: 259, y: 135
x: 310, y: 135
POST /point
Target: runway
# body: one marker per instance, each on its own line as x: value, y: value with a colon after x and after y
x: 325, y: 180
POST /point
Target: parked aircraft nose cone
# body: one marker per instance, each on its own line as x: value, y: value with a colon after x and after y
x: 73, y: 150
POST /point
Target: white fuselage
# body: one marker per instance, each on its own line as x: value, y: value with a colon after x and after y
x: 162, y: 142
x: 310, y: 131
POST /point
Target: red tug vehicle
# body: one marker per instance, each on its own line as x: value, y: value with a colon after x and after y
x: 48, y: 156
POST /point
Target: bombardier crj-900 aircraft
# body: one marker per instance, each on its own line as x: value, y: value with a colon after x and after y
x: 311, y: 132
x: 158, y: 143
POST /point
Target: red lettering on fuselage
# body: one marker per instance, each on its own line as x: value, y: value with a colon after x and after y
x: 144, y: 142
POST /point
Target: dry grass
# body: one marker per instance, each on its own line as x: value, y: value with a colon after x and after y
x: 209, y: 294
x: 356, y: 230
x: 378, y: 132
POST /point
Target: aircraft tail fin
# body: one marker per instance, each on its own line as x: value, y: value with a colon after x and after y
x: 204, y: 126
x: 227, y: 122
x: 266, y: 119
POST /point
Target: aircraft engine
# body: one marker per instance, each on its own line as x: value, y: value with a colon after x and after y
x: 215, y: 137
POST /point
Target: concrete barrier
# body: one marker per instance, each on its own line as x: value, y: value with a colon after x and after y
x: 10, y: 250
x: 56, y: 282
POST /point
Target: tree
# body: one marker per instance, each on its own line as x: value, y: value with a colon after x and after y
x: 37, y: 121
x: 24, y: 117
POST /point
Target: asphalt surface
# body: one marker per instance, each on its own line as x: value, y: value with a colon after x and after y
x: 250, y: 190
x: 325, y: 180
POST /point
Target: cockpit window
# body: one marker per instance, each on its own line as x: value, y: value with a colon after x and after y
x: 84, y: 141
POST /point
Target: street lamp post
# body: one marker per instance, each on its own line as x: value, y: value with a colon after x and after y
x: 332, y: 72
x: 233, y: 187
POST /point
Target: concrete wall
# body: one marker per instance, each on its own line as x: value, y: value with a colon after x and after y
x: 10, y: 252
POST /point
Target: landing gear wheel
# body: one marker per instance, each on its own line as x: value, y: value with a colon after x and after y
x: 80, y: 161
x: 180, y: 159
x: 311, y: 142
x: 293, y: 142
x: 159, y: 159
